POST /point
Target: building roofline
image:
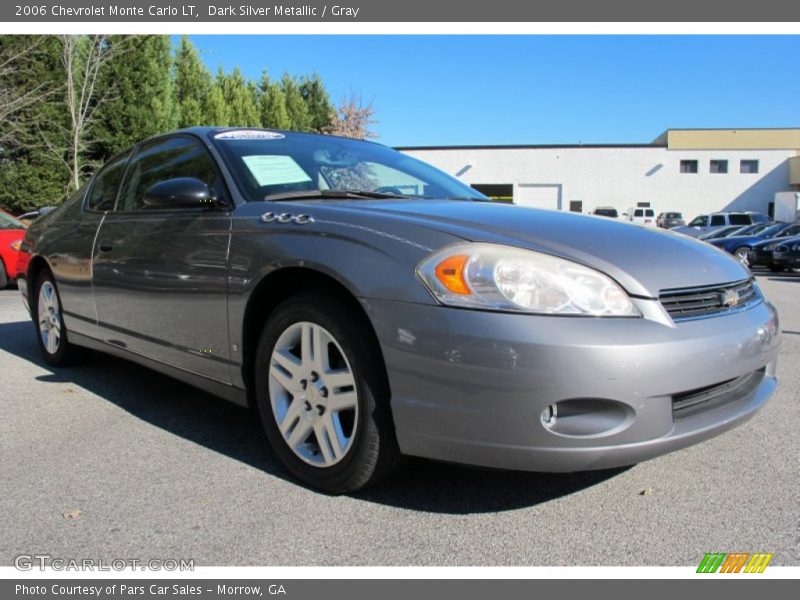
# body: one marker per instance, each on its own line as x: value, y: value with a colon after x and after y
x: 526, y: 146
x: 733, y: 129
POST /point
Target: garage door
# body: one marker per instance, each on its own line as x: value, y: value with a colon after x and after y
x: 539, y: 195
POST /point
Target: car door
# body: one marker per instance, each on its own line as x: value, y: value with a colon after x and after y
x: 160, y: 274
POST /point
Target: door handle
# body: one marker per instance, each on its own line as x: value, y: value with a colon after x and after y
x: 105, y: 249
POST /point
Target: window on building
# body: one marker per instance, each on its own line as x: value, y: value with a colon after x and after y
x: 500, y: 192
x: 748, y: 166
x: 688, y: 166
x: 576, y: 206
x: 718, y: 166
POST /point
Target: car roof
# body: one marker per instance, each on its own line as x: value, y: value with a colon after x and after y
x: 205, y: 131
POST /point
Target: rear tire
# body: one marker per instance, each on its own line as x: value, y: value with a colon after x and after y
x: 322, y: 395
x: 51, y: 333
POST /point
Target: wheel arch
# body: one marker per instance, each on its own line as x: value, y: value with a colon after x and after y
x: 36, y: 266
x: 277, y: 286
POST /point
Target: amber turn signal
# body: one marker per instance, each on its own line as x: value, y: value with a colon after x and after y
x: 450, y: 272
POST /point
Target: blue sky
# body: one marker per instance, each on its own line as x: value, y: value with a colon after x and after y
x: 443, y: 90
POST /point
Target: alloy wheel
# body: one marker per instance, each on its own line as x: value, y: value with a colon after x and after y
x: 313, y: 394
x: 49, y: 317
x: 741, y: 254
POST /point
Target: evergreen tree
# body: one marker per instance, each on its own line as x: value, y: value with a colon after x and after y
x: 296, y: 107
x: 136, y: 94
x: 320, y: 108
x: 217, y: 110
x: 191, y: 87
x: 273, y: 104
x: 239, y: 95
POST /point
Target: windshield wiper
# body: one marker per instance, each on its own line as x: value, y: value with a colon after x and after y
x: 335, y: 195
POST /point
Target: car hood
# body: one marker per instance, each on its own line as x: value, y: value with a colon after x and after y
x: 643, y: 260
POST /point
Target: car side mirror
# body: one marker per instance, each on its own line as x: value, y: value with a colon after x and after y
x: 180, y: 192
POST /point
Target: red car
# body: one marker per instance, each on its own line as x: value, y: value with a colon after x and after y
x: 12, y: 232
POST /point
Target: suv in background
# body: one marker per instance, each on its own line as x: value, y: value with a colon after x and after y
x: 606, y: 211
x: 712, y: 221
x: 670, y: 219
x: 641, y: 216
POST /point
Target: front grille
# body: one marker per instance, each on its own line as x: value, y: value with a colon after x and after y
x: 708, y: 301
x: 692, y: 402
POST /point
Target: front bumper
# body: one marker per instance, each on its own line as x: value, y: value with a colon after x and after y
x: 760, y: 258
x: 471, y: 386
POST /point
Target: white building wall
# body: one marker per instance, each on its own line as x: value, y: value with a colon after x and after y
x: 621, y: 176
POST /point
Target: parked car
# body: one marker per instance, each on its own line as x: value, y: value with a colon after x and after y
x: 606, y: 211
x: 723, y: 232
x: 641, y: 216
x: 740, y: 245
x: 12, y: 233
x: 670, y: 219
x: 761, y: 255
x: 364, y: 322
x: 787, y: 254
x: 30, y: 216
x: 709, y: 222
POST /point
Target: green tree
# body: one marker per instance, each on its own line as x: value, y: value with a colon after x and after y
x: 217, y: 110
x: 138, y: 87
x: 240, y: 96
x: 320, y: 108
x: 273, y: 104
x: 191, y: 86
x: 296, y: 107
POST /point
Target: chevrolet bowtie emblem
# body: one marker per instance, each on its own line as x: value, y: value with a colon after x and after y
x: 730, y: 298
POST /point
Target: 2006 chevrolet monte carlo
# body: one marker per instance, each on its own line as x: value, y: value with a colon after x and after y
x: 370, y: 306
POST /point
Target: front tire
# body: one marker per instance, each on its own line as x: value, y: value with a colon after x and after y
x: 322, y: 395
x: 49, y: 321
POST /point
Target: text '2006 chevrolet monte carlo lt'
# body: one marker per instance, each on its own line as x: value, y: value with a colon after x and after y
x: 369, y: 306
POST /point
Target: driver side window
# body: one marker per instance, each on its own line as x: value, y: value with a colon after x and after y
x: 167, y: 159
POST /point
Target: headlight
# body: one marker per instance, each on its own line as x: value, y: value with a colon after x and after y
x: 495, y: 277
x: 794, y: 247
x: 15, y: 245
x: 769, y: 247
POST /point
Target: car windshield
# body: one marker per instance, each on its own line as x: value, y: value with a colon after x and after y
x: 9, y: 222
x: 273, y: 166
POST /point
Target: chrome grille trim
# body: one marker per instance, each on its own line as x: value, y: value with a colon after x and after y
x: 709, y: 301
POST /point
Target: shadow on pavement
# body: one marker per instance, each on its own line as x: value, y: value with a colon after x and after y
x: 235, y: 432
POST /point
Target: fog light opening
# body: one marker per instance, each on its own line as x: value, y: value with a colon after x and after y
x: 549, y: 416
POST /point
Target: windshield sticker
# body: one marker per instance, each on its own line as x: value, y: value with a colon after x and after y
x: 275, y: 169
x: 249, y: 134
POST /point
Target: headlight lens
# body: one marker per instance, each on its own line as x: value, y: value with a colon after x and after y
x: 769, y: 247
x: 794, y: 247
x: 15, y: 245
x: 496, y: 277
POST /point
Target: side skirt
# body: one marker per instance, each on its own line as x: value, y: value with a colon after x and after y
x: 223, y: 390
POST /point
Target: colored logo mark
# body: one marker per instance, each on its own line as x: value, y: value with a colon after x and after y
x: 734, y: 562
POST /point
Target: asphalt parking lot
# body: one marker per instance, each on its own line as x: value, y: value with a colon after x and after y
x: 111, y: 460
